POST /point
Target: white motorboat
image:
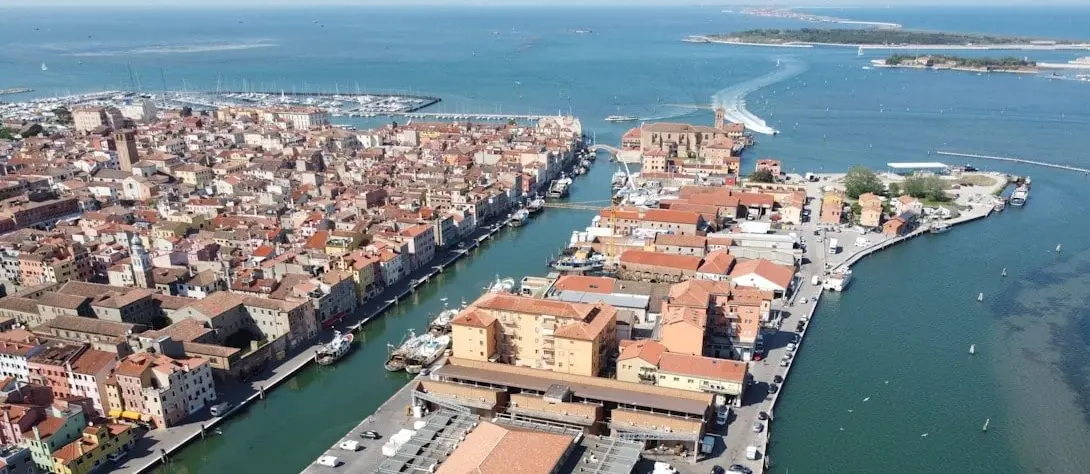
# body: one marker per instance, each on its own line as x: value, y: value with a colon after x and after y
x: 622, y: 118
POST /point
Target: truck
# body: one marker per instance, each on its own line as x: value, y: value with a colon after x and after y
x: 834, y: 245
x: 751, y: 453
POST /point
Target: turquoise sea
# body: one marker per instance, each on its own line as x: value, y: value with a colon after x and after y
x: 909, y: 317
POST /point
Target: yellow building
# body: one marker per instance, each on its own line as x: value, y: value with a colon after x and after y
x: 193, y: 174
x: 342, y: 242
x: 570, y: 338
x: 362, y: 267
x: 649, y: 362
x: 92, y: 450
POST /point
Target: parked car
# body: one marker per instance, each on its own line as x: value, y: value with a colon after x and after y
x: 773, y: 388
x: 777, y: 379
x: 370, y: 434
x: 757, y: 427
x: 738, y: 469
x: 762, y: 415
x: 117, y: 455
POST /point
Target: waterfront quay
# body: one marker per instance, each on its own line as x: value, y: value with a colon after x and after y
x: 751, y: 419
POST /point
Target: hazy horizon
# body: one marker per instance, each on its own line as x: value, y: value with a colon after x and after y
x: 538, y: 3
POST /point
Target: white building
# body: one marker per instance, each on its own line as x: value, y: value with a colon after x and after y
x: 143, y: 110
x: 88, y: 372
x: 304, y: 117
x: 13, y: 359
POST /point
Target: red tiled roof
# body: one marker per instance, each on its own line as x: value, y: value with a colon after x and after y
x: 643, y: 257
x: 703, y: 367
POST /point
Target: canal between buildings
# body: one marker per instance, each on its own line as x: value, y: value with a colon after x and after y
x: 311, y: 411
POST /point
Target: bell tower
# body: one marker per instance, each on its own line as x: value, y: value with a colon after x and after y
x: 141, y: 263
x: 720, y: 117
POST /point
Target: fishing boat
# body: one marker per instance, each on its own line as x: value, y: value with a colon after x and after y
x: 622, y: 118
x: 1020, y: 195
x: 972, y: 349
x: 44, y: 67
x: 559, y: 188
x: 838, y: 280
x: 520, y: 217
x: 939, y: 228
x: 1004, y: 272
x: 429, y: 351
x: 441, y: 324
x: 579, y: 263
x: 1059, y: 247
x: 980, y: 297
x: 333, y: 350
x: 620, y: 179
x: 535, y: 205
x: 399, y: 355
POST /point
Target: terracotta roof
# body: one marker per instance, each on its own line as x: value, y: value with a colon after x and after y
x: 681, y: 240
x: 90, y: 325
x: 217, y: 303
x: 60, y: 300
x: 718, y: 262
x: 473, y: 317
x: 19, y: 304
x: 492, y: 449
x: 187, y: 329
x: 590, y: 284
x: 672, y: 314
x: 47, y: 427
x: 93, y: 361
x: 672, y: 216
x: 646, y: 349
x: 527, y: 305
x: 703, y: 367
x: 643, y: 257
x: 779, y: 275
x: 589, y: 330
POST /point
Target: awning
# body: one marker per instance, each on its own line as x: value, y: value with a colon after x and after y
x: 132, y: 415
x: 114, y: 413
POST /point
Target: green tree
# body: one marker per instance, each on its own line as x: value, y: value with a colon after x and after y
x: 894, y: 189
x: 926, y: 187
x: 762, y: 175
x: 7, y: 134
x: 64, y: 116
x: 861, y: 180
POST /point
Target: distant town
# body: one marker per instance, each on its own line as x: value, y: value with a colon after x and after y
x: 156, y: 259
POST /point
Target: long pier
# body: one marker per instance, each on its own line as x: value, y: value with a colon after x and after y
x: 1014, y: 160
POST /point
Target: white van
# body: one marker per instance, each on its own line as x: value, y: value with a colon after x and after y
x: 751, y: 453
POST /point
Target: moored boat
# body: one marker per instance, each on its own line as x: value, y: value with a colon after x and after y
x: 335, y: 349
x: 1020, y: 195
x: 429, y: 351
x: 520, y: 217
x: 535, y: 205
x: 399, y: 356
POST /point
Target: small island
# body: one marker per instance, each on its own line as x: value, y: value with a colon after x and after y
x: 884, y: 38
x: 957, y: 63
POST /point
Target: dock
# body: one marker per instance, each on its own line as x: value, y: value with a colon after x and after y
x: 390, y: 418
x: 1015, y: 160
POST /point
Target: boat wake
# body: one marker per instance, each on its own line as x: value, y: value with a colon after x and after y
x: 733, y: 98
x: 179, y: 49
